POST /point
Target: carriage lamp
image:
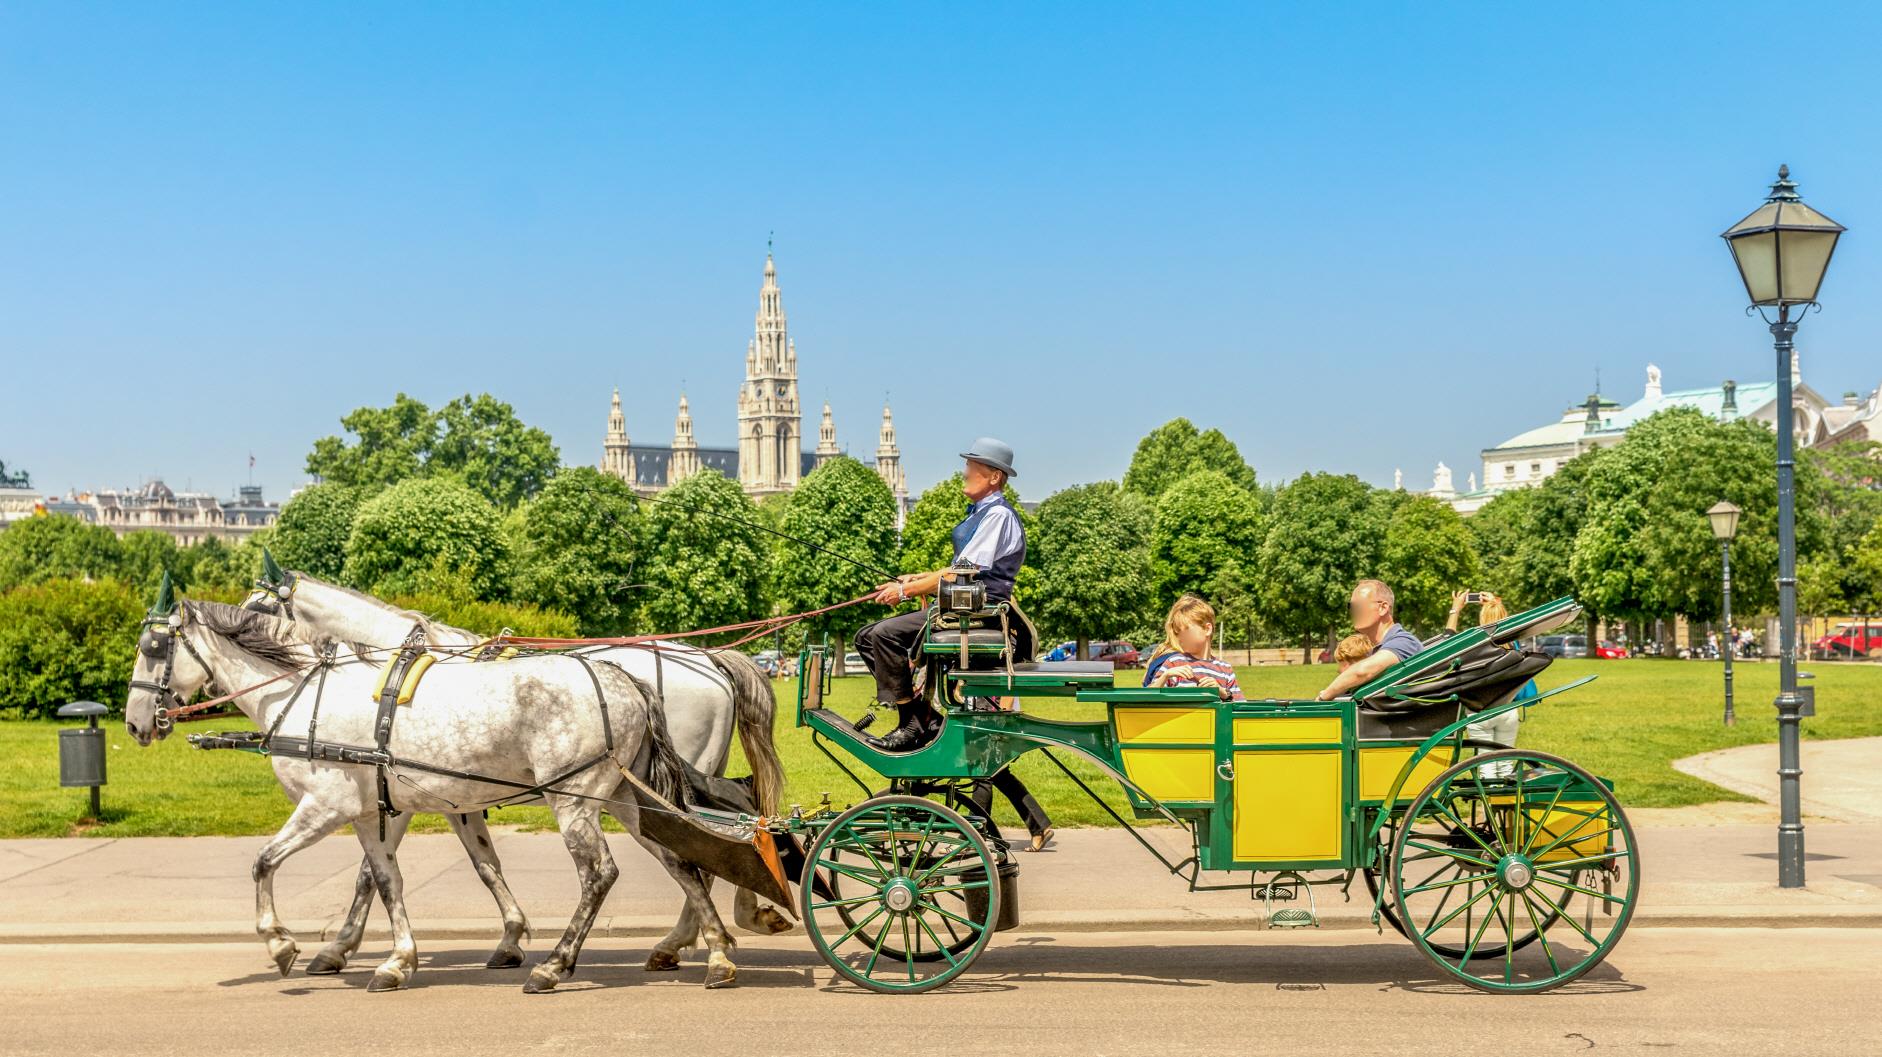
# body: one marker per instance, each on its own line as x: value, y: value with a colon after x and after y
x: 1782, y: 250
x: 82, y: 750
x: 965, y: 593
x: 1724, y: 518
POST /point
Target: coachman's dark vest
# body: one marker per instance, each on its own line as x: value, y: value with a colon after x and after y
x: 999, y: 579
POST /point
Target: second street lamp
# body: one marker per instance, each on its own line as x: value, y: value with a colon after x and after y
x: 1782, y: 250
x: 1724, y: 517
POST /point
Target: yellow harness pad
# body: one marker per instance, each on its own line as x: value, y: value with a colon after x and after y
x: 482, y: 652
x: 409, y: 685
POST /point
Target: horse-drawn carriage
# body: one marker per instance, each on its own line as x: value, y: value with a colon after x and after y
x: 1512, y: 870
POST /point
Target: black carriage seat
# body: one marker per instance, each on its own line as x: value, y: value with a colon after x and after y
x: 1482, y: 677
x: 984, y: 635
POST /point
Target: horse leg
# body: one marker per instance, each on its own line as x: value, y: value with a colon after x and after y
x: 665, y: 955
x: 334, y: 956
x: 474, y: 834
x: 580, y: 823
x: 309, y: 822
x: 763, y: 920
x: 382, y: 856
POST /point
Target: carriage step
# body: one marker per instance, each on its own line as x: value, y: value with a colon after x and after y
x: 1286, y: 888
x: 1293, y: 918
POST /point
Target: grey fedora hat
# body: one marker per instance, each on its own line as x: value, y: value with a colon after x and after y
x: 995, y: 453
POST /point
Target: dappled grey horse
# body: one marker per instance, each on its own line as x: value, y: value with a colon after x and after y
x: 587, y: 724
x: 707, y: 695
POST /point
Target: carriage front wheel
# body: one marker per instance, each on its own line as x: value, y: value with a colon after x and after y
x: 908, y: 895
x: 1534, y: 832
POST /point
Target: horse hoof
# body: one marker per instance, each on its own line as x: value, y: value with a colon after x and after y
x: 662, y: 962
x: 539, y: 981
x: 718, y: 976
x: 386, y: 981
x: 774, y: 922
x: 326, y: 963
x: 505, y: 959
x: 283, y: 951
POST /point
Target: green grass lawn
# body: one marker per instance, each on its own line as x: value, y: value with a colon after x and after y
x: 1628, y: 725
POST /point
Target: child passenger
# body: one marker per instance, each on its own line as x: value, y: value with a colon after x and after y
x: 1351, y: 650
x: 1184, y: 657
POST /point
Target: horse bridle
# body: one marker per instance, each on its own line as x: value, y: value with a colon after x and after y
x: 158, y: 640
x: 281, y: 592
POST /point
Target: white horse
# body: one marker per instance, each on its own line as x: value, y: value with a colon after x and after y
x: 706, y: 695
x: 524, y: 722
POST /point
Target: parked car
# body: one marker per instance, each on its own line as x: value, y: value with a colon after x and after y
x: 853, y: 664
x: 1610, y: 650
x: 1564, y: 645
x: 1851, y: 640
x: 768, y: 661
x: 1120, y: 653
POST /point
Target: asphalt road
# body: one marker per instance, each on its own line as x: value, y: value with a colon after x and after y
x: 1747, y: 991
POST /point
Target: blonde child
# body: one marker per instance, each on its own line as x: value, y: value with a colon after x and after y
x: 1351, y: 650
x: 1184, y: 657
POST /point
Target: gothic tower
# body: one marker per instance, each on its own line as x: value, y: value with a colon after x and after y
x: 889, y: 464
x: 769, y: 422
x: 685, y: 459
x: 826, y: 438
x: 614, y: 457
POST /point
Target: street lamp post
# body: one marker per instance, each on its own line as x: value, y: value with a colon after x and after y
x: 1782, y: 250
x: 1724, y: 517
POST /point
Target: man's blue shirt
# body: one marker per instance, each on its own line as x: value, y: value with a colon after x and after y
x: 1402, y: 643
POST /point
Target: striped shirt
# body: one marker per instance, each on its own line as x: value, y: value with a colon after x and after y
x: 1180, y: 669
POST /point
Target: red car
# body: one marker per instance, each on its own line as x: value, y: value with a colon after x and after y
x: 1851, y: 640
x: 1610, y: 650
x: 1119, y: 653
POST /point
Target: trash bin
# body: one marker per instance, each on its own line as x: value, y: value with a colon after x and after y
x: 82, y: 750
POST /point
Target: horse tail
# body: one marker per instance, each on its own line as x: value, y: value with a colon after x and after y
x: 666, y: 771
x: 754, y: 706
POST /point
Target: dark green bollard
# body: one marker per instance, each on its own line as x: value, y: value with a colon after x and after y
x: 82, y: 750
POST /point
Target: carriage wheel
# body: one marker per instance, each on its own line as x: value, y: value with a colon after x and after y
x: 1439, y: 866
x: 1539, y: 831
x: 912, y: 894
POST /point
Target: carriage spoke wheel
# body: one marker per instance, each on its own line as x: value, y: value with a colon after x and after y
x: 910, y: 894
x: 1498, y: 847
x: 1435, y: 866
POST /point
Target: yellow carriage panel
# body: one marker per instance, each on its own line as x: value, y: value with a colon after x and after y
x: 1584, y: 822
x: 1280, y: 730
x: 1172, y: 774
x: 1379, y: 766
x: 1182, y: 726
x: 1288, y: 804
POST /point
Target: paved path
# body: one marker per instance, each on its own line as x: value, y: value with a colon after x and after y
x: 190, y: 888
x: 1842, y: 779
x: 1728, y: 991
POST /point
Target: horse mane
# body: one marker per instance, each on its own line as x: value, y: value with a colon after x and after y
x: 433, y: 629
x: 258, y: 634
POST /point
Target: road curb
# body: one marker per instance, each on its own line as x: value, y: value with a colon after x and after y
x: 1342, y: 919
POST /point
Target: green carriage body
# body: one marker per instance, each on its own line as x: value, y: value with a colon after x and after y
x: 1289, y: 792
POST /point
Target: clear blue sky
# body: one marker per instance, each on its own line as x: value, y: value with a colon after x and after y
x: 1355, y: 239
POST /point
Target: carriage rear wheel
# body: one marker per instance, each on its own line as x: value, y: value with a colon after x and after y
x: 1437, y: 866
x: 910, y: 894
x: 1539, y: 831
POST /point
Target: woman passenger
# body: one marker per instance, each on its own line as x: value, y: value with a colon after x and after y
x: 1184, y: 657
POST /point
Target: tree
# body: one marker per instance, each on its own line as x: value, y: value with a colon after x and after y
x: 14, y: 479
x: 843, y: 507
x: 481, y: 440
x: 1497, y: 531
x: 66, y: 640
x: 1323, y: 536
x: 1092, y: 548
x: 703, y: 570
x: 1206, y: 538
x: 1557, y: 511
x: 478, y: 439
x: 310, y: 535
x: 576, y: 546
x: 36, y: 549
x: 1866, y: 558
x: 145, y: 555
x: 1175, y: 449
x: 1427, y: 555
x: 1849, y: 506
x: 423, y: 534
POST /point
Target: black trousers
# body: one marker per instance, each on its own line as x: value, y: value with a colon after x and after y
x: 888, y: 647
x: 1016, y: 793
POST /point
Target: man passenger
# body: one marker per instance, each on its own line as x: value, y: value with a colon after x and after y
x: 1372, y: 612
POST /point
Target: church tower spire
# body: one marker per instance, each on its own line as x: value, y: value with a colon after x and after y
x: 615, y: 457
x: 770, y: 453
x: 685, y: 459
x: 889, y: 464
x: 826, y: 438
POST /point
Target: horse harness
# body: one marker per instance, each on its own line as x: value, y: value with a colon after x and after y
x: 159, y: 640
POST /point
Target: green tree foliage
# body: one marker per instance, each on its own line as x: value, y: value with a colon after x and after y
x: 1427, y: 555
x: 310, y: 535
x: 1497, y: 535
x: 1206, y: 538
x: 223, y: 568
x: 478, y: 439
x: 66, y: 640
x: 408, y: 536
x: 576, y: 546
x: 1849, y: 506
x: 521, y: 618
x: 145, y: 555
x: 843, y: 506
x: 1175, y: 449
x: 1091, y: 546
x: 36, y: 549
x: 703, y: 571
x: 1866, y: 560
x: 1323, y: 536
x: 1557, y: 511
x: 14, y: 478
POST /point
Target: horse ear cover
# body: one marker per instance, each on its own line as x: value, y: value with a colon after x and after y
x: 166, y: 597
x: 270, y: 571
